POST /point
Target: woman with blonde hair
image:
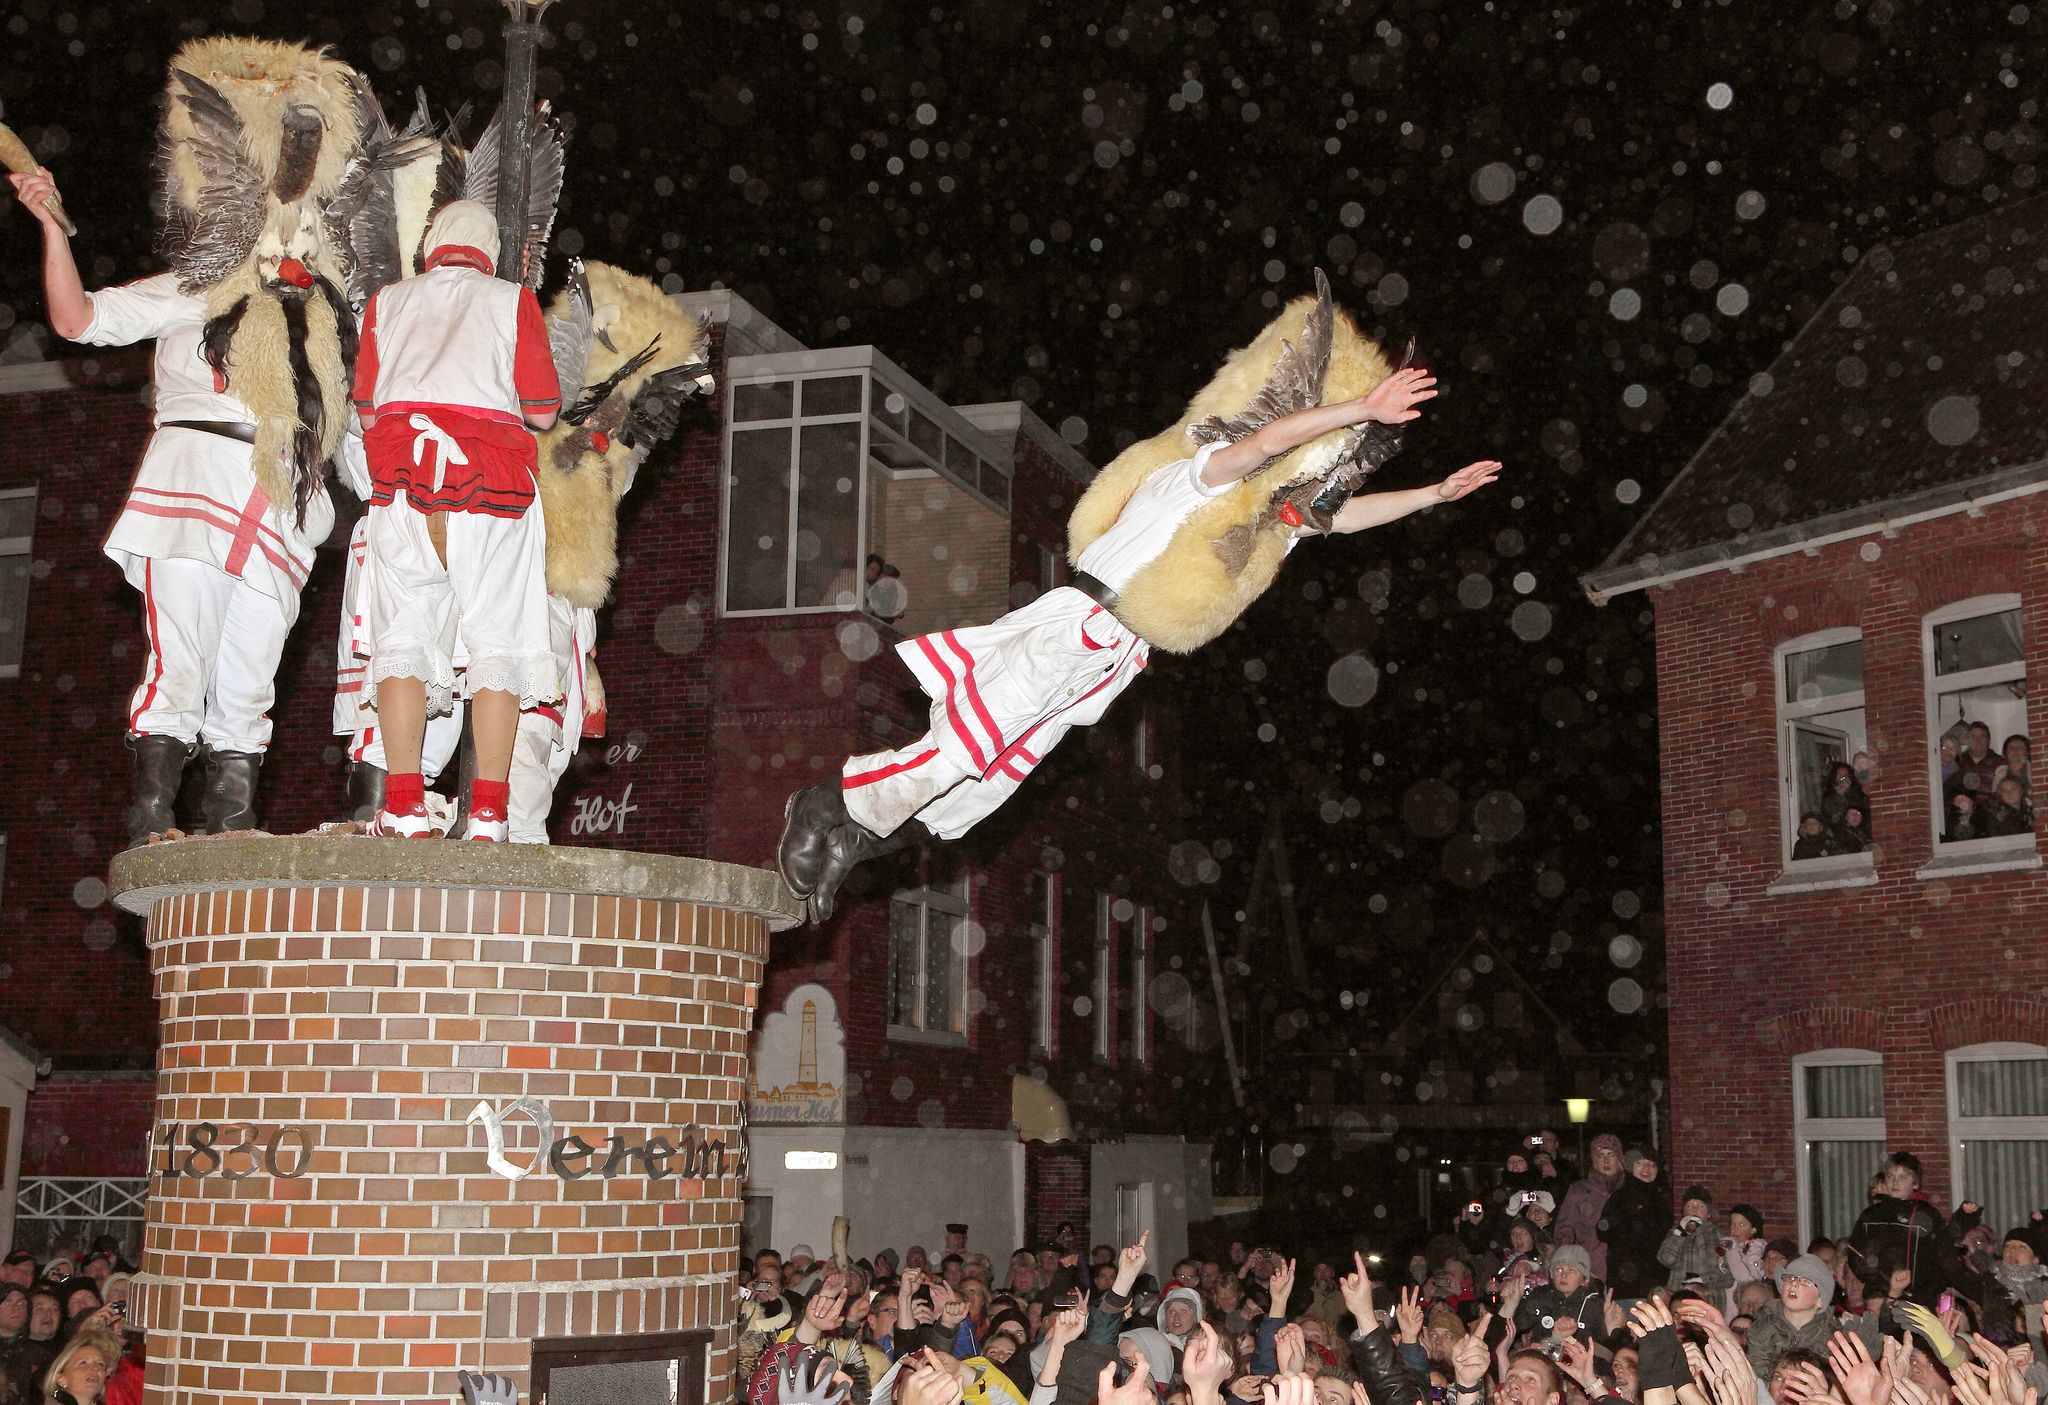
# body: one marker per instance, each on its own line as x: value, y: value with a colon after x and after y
x: 79, y: 1374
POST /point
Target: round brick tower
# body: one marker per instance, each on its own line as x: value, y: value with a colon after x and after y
x: 427, y: 1108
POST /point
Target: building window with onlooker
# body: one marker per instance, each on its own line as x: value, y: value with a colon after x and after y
x: 1981, y: 772
x: 1823, y: 756
x: 1045, y: 959
x: 1838, y: 1130
x: 928, y: 963
x: 17, y: 551
x: 1998, y: 1128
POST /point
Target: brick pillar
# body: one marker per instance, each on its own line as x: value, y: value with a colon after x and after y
x: 343, y: 1020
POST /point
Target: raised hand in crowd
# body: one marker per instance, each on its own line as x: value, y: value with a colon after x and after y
x: 1408, y: 1317
x: 1861, y: 1380
x: 2002, y: 1382
x: 1613, y: 1319
x: 1803, y: 1384
x: 1130, y: 1263
x: 1136, y: 1389
x: 1289, y: 1390
x: 1290, y: 1349
x: 1205, y: 1365
x: 1281, y: 1286
x: 1575, y: 1359
x: 1470, y: 1360
x: 1249, y: 1389
x: 824, y: 1315
x: 1354, y: 1287
x: 929, y: 1385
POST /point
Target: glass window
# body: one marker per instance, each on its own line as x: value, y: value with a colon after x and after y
x: 1045, y: 990
x: 1141, y: 987
x: 928, y: 963
x: 828, y: 568
x: 927, y: 438
x: 1998, y: 1125
x: 770, y: 401
x: 1822, y: 757
x: 793, y: 498
x: 832, y: 395
x: 1977, y: 714
x: 757, y: 516
x: 1838, y: 1129
x: 17, y: 549
x: 1104, y: 992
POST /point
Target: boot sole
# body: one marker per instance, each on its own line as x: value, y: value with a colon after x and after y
x: 782, y: 846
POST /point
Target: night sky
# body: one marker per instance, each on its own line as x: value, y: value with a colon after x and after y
x: 1599, y: 221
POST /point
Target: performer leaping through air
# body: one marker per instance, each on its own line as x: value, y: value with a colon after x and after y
x: 1169, y: 544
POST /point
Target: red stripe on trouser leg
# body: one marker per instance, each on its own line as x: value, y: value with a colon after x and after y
x: 851, y: 782
x: 883, y: 789
x: 147, y: 693
x: 953, y: 703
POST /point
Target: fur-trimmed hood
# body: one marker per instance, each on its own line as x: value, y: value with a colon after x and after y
x: 1229, y: 551
x: 586, y: 467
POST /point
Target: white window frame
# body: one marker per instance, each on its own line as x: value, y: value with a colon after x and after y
x: 1966, y: 850
x: 1103, y: 985
x: 950, y: 903
x: 21, y: 546
x: 1788, y: 713
x: 967, y: 459
x: 1807, y: 1129
x: 2000, y: 1129
x: 1141, y: 987
x: 1045, y: 948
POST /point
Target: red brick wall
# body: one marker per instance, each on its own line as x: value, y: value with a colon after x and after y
x: 88, y: 1125
x: 1909, y: 967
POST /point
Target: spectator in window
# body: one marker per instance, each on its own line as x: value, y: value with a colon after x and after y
x: 2008, y: 812
x: 1853, y: 837
x: 1863, y: 765
x: 1977, y: 765
x: 1814, y: 841
x: 1633, y: 1224
x: 2019, y: 754
x: 1578, y: 1219
x: 1964, y: 819
x: 1948, y: 751
x: 1901, y: 1233
x: 1843, y: 794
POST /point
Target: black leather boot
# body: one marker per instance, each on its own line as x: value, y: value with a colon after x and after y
x: 365, y: 790
x: 849, y: 846
x: 231, y: 777
x: 808, y: 819
x: 158, y: 772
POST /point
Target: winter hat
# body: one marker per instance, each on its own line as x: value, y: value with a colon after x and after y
x: 1158, y: 1351
x: 1699, y: 1193
x: 1633, y: 1155
x: 465, y: 224
x: 1750, y: 1213
x: 1182, y: 1295
x: 1445, y: 1320
x: 1571, y: 1256
x: 1607, y: 1141
x: 1811, y: 1267
x: 2017, y: 1234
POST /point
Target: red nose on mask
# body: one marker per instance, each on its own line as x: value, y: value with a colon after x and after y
x: 601, y: 441
x: 1290, y: 514
x: 295, y: 273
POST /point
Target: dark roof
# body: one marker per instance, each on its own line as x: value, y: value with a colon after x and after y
x: 1919, y: 384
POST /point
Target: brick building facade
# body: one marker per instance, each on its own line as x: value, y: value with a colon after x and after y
x: 1054, y: 930
x: 1854, y: 569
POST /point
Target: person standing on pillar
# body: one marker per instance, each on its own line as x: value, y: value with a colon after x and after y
x: 218, y: 565
x: 454, y: 369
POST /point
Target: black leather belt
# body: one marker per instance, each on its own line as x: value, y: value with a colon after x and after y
x: 226, y: 429
x: 1095, y: 590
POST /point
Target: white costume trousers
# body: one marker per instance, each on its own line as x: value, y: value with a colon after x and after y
x: 548, y: 736
x: 1003, y: 695
x: 210, y: 673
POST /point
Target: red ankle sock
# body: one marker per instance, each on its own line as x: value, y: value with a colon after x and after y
x: 404, y: 792
x: 491, y: 796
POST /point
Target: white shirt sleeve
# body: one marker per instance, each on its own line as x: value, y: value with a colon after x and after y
x: 1201, y: 461
x: 140, y: 311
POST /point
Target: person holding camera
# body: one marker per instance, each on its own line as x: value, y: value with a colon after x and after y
x: 1571, y: 1300
x: 1692, y: 1250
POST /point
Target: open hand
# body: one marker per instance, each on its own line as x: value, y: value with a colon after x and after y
x: 1394, y: 399
x: 1468, y: 480
x: 1289, y: 1390
x: 1290, y: 1349
x: 1648, y: 1316
x: 1862, y: 1380
x: 1575, y: 1358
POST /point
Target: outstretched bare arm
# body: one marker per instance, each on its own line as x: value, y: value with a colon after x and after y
x: 63, y: 290
x: 1378, y: 509
x: 1392, y: 401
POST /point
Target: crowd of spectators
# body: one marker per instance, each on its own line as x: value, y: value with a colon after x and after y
x: 63, y: 1330
x: 1987, y: 792
x: 1554, y: 1288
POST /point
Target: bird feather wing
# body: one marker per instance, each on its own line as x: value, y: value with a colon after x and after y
x: 1296, y: 382
x: 546, y: 152
x: 209, y: 242
x: 569, y: 331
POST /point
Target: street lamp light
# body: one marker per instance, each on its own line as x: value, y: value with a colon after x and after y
x: 522, y: 44
x: 1578, y: 1109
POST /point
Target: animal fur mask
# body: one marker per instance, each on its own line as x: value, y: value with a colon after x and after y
x: 1228, y: 551
x: 254, y: 140
x: 627, y: 356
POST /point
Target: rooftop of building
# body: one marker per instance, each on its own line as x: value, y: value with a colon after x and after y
x: 1915, y: 391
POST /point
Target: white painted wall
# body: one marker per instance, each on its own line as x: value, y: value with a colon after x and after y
x: 905, y: 1185
x: 805, y: 1201
x: 1178, y: 1173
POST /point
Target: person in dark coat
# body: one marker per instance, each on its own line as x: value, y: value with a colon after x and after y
x: 1901, y: 1231
x: 1632, y: 1226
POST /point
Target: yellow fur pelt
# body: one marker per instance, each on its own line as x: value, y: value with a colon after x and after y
x: 259, y: 369
x: 1229, y: 550
x: 580, y: 484
x: 262, y: 80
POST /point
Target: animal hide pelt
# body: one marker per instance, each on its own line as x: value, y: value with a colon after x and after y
x: 1229, y: 550
x: 638, y: 347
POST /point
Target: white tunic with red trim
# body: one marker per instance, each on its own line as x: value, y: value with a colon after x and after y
x: 195, y: 496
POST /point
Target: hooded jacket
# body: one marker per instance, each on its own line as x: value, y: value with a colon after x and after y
x: 1771, y: 1335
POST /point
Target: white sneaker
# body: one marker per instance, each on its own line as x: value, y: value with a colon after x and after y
x: 413, y: 824
x: 487, y: 827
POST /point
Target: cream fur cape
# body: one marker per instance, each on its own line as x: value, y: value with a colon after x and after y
x: 580, y: 485
x: 1229, y: 551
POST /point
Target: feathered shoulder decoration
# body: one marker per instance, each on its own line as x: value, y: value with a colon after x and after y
x: 1229, y: 551
x: 628, y: 357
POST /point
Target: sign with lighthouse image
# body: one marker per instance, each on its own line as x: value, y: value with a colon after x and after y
x: 799, y: 1072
